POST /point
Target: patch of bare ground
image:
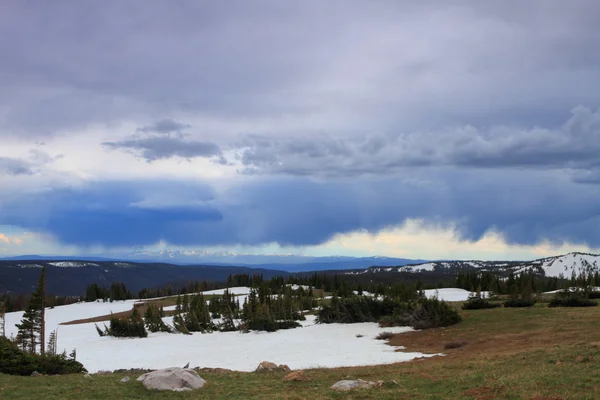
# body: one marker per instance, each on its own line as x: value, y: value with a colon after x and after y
x: 507, y: 331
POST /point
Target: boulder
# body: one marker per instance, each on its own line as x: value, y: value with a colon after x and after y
x: 174, y: 379
x: 35, y: 373
x: 267, y: 366
x: 346, y: 385
x: 125, y: 380
x: 285, y: 368
x: 297, y: 376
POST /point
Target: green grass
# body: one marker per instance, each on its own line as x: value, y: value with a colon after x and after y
x: 537, y: 353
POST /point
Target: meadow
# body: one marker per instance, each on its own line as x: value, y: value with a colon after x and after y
x: 530, y: 353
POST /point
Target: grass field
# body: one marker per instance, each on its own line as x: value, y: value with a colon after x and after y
x: 537, y: 353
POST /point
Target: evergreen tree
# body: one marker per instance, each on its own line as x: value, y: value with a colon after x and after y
x: 32, y: 327
x: 52, y: 342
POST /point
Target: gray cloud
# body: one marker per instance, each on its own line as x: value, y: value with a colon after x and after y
x: 21, y: 166
x: 576, y: 145
x: 361, y: 65
x: 164, y: 126
x: 15, y: 166
x: 158, y: 147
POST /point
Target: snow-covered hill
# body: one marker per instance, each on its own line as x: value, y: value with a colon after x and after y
x: 557, y: 266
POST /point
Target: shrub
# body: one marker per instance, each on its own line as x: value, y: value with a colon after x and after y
x: 571, y: 300
x: 478, y: 303
x: 384, y: 336
x: 424, y: 314
x: 356, y: 309
x: 594, y: 295
x: 518, y: 302
x: 14, y: 361
x: 130, y: 327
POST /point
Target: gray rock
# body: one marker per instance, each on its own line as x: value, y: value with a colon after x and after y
x: 126, y: 379
x: 174, y: 379
x: 35, y: 373
x: 346, y: 385
x: 87, y: 376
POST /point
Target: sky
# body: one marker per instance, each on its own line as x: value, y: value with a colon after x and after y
x: 432, y: 129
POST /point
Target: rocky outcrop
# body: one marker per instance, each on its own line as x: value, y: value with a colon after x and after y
x: 347, y: 385
x: 174, y: 379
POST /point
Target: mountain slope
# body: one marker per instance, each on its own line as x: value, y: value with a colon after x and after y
x: 557, y: 266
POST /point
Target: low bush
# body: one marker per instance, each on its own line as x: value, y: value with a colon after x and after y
x: 127, y: 328
x: 423, y: 314
x: 594, y: 295
x: 571, y: 300
x: 355, y: 309
x: 384, y: 336
x: 14, y: 361
x: 478, y: 303
x: 518, y: 302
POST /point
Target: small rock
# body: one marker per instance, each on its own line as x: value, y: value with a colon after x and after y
x: 35, y: 373
x: 296, y: 376
x: 87, y: 376
x: 125, y: 380
x: 346, y: 385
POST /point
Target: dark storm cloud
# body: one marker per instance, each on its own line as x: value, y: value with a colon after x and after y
x: 527, y: 207
x: 350, y: 114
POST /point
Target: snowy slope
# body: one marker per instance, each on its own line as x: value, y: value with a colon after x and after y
x: 563, y: 265
x: 330, y: 345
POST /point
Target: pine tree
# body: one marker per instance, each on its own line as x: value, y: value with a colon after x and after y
x: 32, y: 327
x: 51, y: 349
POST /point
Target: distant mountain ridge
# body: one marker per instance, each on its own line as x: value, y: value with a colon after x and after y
x: 71, y: 277
x: 290, y: 263
x: 556, y: 266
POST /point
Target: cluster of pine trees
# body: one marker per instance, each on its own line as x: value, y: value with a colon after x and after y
x: 117, y: 291
x: 132, y: 326
x: 408, y: 310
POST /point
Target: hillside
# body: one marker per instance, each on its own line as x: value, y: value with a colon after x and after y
x: 71, y: 278
x: 557, y: 266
